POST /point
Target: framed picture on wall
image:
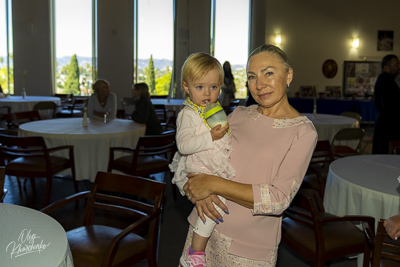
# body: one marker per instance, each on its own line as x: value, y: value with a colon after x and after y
x: 385, y: 41
x: 359, y: 77
x: 333, y: 91
x: 306, y: 91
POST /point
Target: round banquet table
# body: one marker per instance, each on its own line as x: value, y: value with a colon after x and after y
x: 327, y: 125
x: 18, y: 104
x: 31, y: 238
x: 364, y: 185
x: 91, y: 143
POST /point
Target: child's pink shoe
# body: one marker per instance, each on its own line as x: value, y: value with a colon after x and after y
x: 197, y: 259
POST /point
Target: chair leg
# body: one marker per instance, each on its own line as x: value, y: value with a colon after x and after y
x: 19, y: 186
x: 48, y: 190
x: 33, y: 185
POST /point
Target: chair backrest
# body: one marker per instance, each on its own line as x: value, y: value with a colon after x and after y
x: 12, y: 147
x: 3, y: 191
x: 352, y: 114
x: 128, y: 199
x: 3, y: 111
x: 65, y: 98
x: 161, y: 112
x: 15, y: 119
x: 348, y: 134
x: 155, y: 145
x: 387, y: 250
x: 394, y: 147
x: 128, y: 104
x: 322, y: 153
x: 47, y: 105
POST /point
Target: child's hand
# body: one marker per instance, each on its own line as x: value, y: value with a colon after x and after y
x: 218, y: 132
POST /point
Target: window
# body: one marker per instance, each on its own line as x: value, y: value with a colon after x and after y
x: 75, y: 45
x: 230, y: 38
x: 6, y: 48
x: 153, y: 44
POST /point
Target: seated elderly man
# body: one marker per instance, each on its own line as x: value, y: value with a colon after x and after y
x: 392, y: 226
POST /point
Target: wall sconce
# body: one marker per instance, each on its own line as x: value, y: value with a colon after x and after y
x: 355, y: 43
x: 278, y: 39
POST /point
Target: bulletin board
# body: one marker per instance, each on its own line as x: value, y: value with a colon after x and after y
x: 359, y: 77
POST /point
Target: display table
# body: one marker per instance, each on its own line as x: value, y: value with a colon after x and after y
x: 327, y: 125
x: 31, y: 238
x: 91, y: 143
x: 18, y: 104
x: 366, y: 108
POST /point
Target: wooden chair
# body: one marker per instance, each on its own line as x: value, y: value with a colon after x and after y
x: 352, y: 114
x: 3, y: 111
x: 319, y: 236
x: 128, y: 104
x: 48, y: 106
x: 73, y: 110
x: 13, y: 120
x: 347, y: 134
x: 386, y: 251
x: 161, y: 112
x: 29, y: 157
x: 138, y: 208
x: 3, y: 191
x: 394, y: 147
x: 65, y: 98
x: 315, y: 177
x: 152, y: 154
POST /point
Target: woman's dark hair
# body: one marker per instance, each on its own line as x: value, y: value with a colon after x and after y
x: 143, y: 88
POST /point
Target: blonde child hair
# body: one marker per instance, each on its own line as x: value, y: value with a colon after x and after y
x: 197, y: 65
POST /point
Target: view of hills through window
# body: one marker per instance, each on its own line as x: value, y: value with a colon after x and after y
x: 154, y: 64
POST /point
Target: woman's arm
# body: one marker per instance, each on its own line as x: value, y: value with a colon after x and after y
x: 272, y: 198
x: 202, y: 185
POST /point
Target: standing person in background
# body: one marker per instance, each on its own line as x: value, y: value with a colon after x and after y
x: 228, y: 89
x: 387, y: 97
x: 102, y: 101
x: 144, y: 111
x: 272, y: 146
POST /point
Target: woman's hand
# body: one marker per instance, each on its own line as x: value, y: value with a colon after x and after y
x: 206, y: 207
x: 392, y: 226
x: 197, y: 187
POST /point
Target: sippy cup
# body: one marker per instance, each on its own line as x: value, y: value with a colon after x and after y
x: 215, y: 114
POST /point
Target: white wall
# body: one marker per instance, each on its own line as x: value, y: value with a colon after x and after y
x: 314, y: 31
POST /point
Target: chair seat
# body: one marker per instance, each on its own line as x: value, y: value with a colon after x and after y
x: 85, y: 248
x: 334, y: 239
x: 144, y: 164
x: 34, y: 166
x: 344, y: 151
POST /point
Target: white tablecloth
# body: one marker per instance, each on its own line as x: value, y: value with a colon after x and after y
x: 91, y: 143
x: 327, y: 125
x: 31, y: 238
x: 171, y: 104
x: 364, y: 185
x: 18, y: 104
